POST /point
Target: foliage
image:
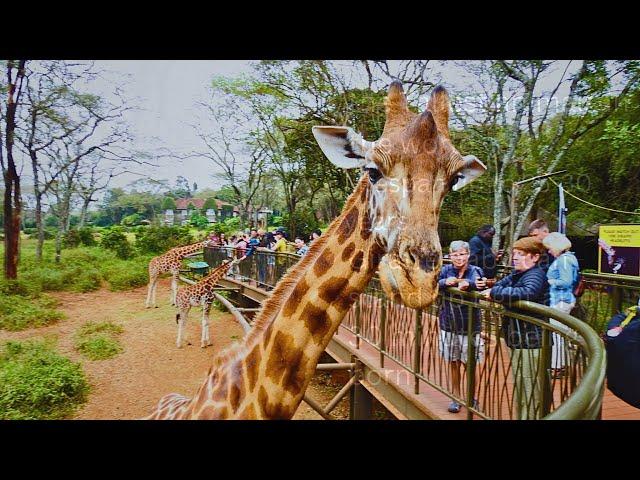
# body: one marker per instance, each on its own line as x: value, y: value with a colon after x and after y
x: 157, y: 240
x: 23, y: 306
x: 199, y: 221
x: 209, y: 204
x: 87, y: 237
x: 131, y: 220
x: 98, y: 341
x: 116, y: 241
x: 38, y: 383
x: 168, y: 204
x: 71, y: 239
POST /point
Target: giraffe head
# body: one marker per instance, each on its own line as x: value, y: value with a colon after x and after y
x: 410, y: 169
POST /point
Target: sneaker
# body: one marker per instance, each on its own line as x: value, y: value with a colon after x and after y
x: 454, y: 407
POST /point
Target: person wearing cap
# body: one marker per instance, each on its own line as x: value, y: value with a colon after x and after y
x: 527, y: 281
x: 563, y: 279
x: 281, y: 242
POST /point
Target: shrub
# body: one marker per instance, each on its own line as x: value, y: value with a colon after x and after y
x: 127, y: 277
x: 97, y: 341
x: 38, y: 383
x: 116, y: 241
x: 199, y: 221
x: 71, y: 239
x: 86, y: 235
x: 157, y: 240
x: 18, y: 313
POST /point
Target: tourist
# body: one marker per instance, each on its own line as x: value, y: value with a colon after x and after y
x: 539, y: 229
x: 301, y: 247
x: 563, y: 279
x: 454, y: 317
x: 527, y: 281
x: 482, y: 255
x: 314, y: 235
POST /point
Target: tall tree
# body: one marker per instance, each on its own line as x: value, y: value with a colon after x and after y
x: 15, y: 74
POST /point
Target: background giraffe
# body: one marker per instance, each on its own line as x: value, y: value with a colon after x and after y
x: 389, y: 220
x: 199, y: 294
x: 170, y: 262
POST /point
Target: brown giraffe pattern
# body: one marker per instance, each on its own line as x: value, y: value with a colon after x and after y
x: 169, y: 262
x: 201, y: 293
x: 389, y: 221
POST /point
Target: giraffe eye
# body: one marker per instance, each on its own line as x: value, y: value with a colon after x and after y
x: 374, y: 174
x: 455, y: 179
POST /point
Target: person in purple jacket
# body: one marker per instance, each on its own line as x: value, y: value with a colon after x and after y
x: 454, y: 317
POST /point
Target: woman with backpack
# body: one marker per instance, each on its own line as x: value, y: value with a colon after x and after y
x: 563, y: 277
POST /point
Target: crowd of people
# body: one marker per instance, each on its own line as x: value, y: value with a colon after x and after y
x: 246, y: 243
x: 545, y: 271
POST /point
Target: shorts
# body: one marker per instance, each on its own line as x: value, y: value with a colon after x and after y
x: 455, y: 347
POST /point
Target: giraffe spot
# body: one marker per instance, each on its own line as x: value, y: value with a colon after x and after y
x: 323, y: 263
x: 248, y: 413
x: 277, y: 363
x: 348, y: 251
x: 365, y: 229
x: 207, y: 413
x: 295, y: 298
x: 267, y: 334
x: 236, y: 392
x: 375, y: 255
x: 220, y: 391
x: 344, y: 302
x: 332, y: 288
x: 252, y: 363
x: 273, y: 411
x: 348, y: 225
x: 317, y: 321
x: 223, y: 414
x: 363, y: 195
x: 356, y: 263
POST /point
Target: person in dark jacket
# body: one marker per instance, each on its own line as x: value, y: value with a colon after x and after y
x: 482, y: 255
x: 454, y: 317
x: 527, y: 282
x: 539, y: 230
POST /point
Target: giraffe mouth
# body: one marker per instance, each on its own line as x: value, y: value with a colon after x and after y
x: 412, y: 287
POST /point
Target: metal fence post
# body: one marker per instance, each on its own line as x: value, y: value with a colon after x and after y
x: 417, y: 354
x: 358, y: 320
x: 544, y: 373
x: 383, y: 328
x: 471, y: 362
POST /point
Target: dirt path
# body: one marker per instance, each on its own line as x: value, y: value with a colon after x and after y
x: 129, y: 385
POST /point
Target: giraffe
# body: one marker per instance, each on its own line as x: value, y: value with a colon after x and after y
x: 389, y: 221
x: 170, y: 262
x: 199, y: 294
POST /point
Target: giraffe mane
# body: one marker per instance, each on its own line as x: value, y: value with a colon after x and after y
x: 287, y: 283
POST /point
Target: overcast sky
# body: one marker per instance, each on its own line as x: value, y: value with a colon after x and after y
x: 167, y: 92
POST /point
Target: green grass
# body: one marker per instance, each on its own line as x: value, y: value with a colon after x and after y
x: 38, y: 383
x: 98, y: 341
x: 18, y: 313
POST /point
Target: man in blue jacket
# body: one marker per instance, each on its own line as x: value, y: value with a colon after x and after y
x: 481, y: 253
x: 454, y: 317
x: 527, y: 282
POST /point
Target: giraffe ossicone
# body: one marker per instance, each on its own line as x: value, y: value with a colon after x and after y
x: 389, y: 222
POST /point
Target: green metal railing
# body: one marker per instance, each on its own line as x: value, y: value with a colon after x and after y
x: 496, y: 382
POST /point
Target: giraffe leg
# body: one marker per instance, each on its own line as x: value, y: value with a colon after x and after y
x: 206, y: 340
x: 151, y: 291
x: 174, y: 287
x: 182, y: 321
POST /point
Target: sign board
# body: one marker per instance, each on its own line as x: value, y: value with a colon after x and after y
x: 619, y: 250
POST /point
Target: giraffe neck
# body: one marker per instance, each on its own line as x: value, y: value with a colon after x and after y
x: 266, y: 376
x: 181, y: 252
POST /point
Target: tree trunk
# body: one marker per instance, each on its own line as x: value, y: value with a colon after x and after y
x: 12, y: 200
x: 39, y: 226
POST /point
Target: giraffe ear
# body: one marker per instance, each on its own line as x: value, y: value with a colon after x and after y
x: 342, y: 145
x: 472, y: 169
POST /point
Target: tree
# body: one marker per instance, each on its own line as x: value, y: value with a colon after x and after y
x: 12, y: 201
x: 169, y: 204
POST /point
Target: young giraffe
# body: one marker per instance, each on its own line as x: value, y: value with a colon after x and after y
x: 170, y: 262
x: 199, y: 294
x: 389, y: 221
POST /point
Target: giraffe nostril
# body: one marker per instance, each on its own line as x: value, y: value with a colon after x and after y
x: 428, y: 263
